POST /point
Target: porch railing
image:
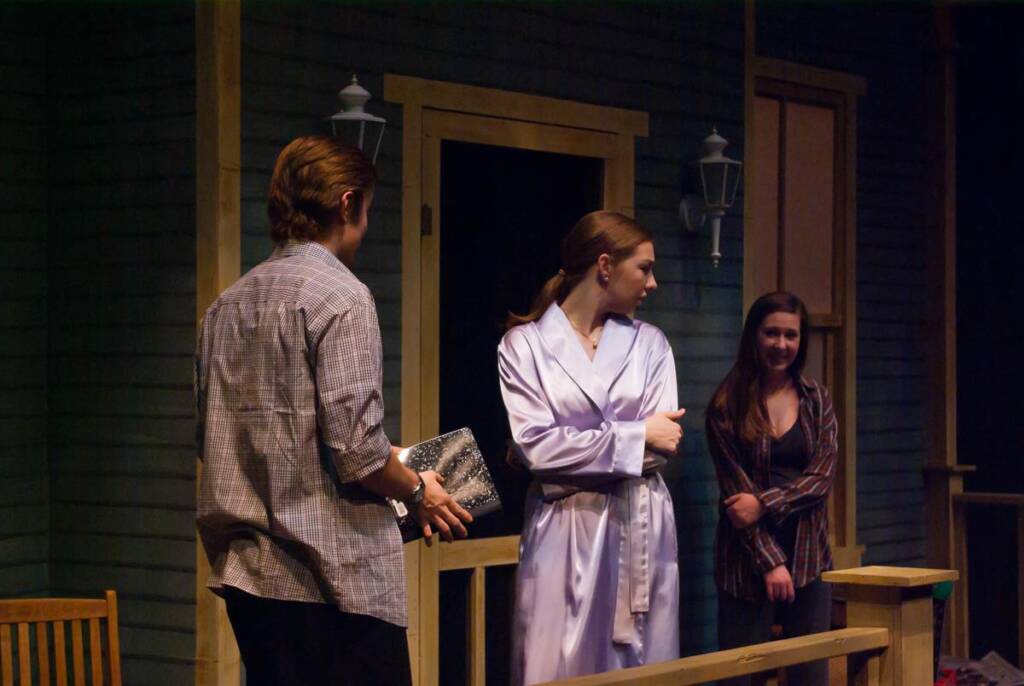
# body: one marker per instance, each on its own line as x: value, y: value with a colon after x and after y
x: 478, y: 555
x: 888, y: 638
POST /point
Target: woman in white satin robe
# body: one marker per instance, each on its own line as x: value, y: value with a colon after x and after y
x: 592, y: 404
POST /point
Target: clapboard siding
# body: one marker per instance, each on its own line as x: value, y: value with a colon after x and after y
x: 121, y: 313
x: 24, y: 480
x: 683, y: 65
x: 888, y: 46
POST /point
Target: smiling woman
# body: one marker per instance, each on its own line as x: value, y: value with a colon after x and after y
x: 772, y: 434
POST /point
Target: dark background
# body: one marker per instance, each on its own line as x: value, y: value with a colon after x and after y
x: 990, y: 301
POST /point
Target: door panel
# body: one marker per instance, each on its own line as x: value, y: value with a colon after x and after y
x: 808, y: 228
x: 764, y: 232
x: 801, y: 188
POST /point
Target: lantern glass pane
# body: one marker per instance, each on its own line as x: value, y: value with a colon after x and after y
x: 713, y: 175
x: 362, y: 134
x: 734, y: 183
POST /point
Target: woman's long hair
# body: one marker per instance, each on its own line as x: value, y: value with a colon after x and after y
x: 738, y: 400
x: 595, y: 234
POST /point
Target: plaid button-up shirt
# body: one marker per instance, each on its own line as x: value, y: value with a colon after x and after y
x: 743, y: 556
x: 288, y: 391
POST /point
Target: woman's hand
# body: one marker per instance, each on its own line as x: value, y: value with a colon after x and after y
x: 662, y: 431
x: 779, y: 585
x: 743, y: 509
x: 438, y: 509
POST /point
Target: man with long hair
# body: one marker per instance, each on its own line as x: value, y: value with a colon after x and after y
x: 302, y: 545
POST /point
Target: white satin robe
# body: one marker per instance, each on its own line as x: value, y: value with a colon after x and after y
x: 597, y: 587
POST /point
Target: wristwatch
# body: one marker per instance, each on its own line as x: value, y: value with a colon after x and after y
x: 416, y: 497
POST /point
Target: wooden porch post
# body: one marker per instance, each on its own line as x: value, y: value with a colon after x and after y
x: 944, y: 477
x: 900, y: 600
x: 218, y: 261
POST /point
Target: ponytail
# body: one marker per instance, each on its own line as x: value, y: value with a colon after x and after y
x: 554, y: 289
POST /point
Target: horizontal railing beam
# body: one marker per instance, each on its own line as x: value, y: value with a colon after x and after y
x: 981, y: 498
x: 700, y: 669
x: 480, y: 552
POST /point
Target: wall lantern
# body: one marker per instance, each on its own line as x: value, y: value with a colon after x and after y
x: 719, y: 179
x: 354, y: 125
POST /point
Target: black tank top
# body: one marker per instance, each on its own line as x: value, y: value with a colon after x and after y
x: 789, y: 458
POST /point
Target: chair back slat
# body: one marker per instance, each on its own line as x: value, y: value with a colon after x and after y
x: 95, y: 652
x: 113, y: 642
x: 6, y: 661
x: 43, y: 654
x: 24, y: 655
x: 50, y: 609
x: 77, y: 654
x: 60, y: 658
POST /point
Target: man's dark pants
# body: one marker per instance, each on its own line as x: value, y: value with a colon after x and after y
x: 286, y: 643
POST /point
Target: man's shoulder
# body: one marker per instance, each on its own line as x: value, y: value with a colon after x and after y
x: 330, y: 284
x: 304, y: 280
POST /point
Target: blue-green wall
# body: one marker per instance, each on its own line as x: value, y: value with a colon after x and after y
x: 24, y: 485
x: 121, y: 310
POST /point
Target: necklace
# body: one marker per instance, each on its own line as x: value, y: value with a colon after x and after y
x: 592, y: 338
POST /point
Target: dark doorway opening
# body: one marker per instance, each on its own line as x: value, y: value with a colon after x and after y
x: 504, y: 212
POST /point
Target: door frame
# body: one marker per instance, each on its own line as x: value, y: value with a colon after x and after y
x: 433, y: 111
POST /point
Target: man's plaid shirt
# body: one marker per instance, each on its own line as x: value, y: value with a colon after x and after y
x: 743, y: 556
x: 288, y: 390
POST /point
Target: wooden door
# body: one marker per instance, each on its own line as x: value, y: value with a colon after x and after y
x: 800, y: 237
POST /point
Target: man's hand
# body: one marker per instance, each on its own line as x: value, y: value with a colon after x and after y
x: 779, y: 585
x: 743, y: 509
x: 440, y: 511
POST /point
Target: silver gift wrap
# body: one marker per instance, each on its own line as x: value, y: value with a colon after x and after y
x: 457, y: 458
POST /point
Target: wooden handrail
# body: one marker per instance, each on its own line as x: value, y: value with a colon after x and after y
x: 699, y: 669
x: 980, y: 498
x: 480, y: 552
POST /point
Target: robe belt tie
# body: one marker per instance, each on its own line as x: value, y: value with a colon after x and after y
x: 634, y: 583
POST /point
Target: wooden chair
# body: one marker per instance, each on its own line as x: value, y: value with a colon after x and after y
x: 50, y: 616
